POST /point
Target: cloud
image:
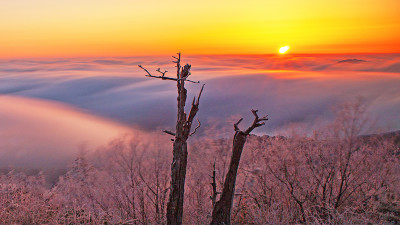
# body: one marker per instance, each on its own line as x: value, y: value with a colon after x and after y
x: 290, y: 89
x: 47, y: 113
x: 109, y: 62
x: 356, y: 61
x: 394, y: 68
x: 16, y: 70
x: 37, y: 133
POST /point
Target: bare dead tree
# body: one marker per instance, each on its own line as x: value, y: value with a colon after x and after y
x: 222, y: 209
x: 182, y: 133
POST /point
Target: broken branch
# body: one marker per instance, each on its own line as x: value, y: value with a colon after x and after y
x: 236, y: 125
x: 198, y: 97
x: 192, y: 113
x: 169, y: 132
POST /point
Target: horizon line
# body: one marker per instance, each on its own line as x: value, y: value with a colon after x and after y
x: 212, y: 54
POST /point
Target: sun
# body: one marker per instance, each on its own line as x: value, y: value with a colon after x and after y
x: 283, y: 49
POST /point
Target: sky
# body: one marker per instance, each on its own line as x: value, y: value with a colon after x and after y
x: 69, y: 76
x: 72, y: 28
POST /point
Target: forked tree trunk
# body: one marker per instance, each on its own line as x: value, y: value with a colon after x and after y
x: 182, y: 133
x: 222, y: 210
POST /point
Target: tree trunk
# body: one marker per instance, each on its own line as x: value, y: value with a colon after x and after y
x: 214, y: 187
x: 182, y: 133
x: 222, y: 209
x: 177, y: 189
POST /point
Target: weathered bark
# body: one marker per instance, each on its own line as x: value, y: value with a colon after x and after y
x: 222, y: 209
x: 214, y: 194
x: 177, y: 189
x: 183, y: 128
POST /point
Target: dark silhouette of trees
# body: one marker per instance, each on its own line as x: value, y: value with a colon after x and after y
x: 182, y: 133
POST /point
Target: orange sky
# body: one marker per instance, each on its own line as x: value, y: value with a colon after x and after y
x: 49, y: 28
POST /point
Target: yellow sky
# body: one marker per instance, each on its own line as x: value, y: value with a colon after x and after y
x: 46, y: 28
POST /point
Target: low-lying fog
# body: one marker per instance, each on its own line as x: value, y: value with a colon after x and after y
x: 50, y: 109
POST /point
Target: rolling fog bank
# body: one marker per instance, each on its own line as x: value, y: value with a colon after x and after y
x: 51, y: 108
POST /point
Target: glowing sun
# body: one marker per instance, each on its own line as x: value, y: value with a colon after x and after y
x: 283, y: 49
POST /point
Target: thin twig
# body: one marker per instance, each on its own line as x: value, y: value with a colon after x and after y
x: 195, y: 129
x: 163, y: 73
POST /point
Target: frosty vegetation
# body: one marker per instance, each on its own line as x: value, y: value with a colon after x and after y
x: 334, y: 177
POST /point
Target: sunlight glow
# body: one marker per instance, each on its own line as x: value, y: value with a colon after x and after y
x: 283, y: 49
x: 73, y: 28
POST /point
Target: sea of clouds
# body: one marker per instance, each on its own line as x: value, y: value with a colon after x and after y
x: 115, y: 96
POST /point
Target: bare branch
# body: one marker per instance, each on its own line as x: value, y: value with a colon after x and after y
x: 236, y: 125
x: 257, y: 121
x: 169, y: 132
x: 254, y: 111
x: 163, y: 73
x: 198, y: 97
x: 195, y: 129
x: 191, y: 81
x: 148, y: 73
x: 194, y: 109
x: 178, y: 65
x: 163, y: 77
